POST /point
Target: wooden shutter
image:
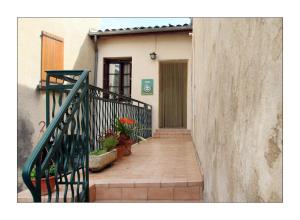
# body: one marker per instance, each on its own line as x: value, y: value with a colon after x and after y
x: 52, y: 55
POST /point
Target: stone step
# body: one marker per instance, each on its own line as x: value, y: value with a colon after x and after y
x: 167, y: 130
x: 165, y: 133
x: 145, y: 191
x: 26, y: 197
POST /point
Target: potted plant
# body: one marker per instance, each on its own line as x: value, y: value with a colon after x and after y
x: 124, y: 127
x: 44, y: 188
x: 101, y: 158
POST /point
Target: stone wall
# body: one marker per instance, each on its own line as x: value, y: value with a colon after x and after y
x: 237, y: 107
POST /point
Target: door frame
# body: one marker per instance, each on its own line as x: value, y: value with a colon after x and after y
x: 185, y: 61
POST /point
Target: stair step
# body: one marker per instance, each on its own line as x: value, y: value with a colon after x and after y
x: 149, y: 191
x: 172, y: 132
x: 170, y: 135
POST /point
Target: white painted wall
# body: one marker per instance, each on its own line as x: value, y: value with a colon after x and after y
x: 171, y: 46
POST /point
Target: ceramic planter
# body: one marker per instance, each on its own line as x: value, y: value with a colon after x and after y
x: 120, y: 151
x: 128, y: 144
x: 98, y: 162
x: 44, y: 189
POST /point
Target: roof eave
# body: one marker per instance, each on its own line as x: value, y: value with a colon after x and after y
x: 141, y: 31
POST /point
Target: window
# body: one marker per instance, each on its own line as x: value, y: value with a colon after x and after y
x: 117, y: 76
x: 52, y: 55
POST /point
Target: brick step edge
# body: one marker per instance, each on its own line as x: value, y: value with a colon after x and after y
x: 127, y: 194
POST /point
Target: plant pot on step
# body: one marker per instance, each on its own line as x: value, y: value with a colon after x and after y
x: 128, y: 144
x: 99, y: 162
x: 44, y: 189
x: 120, y: 151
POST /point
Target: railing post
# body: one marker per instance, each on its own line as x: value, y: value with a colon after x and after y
x: 87, y: 144
x: 47, y: 101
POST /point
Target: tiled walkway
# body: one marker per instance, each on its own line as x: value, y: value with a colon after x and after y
x: 166, y: 166
x: 158, y: 170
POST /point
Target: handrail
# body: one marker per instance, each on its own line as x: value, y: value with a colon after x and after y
x: 53, y: 143
x: 84, y: 114
x: 68, y: 79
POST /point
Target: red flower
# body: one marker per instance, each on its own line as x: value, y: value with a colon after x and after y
x: 123, y: 120
x: 127, y: 121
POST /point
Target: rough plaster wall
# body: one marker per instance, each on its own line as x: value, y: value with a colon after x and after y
x: 237, y: 104
x: 78, y: 54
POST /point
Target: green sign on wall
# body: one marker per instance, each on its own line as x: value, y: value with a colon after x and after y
x: 147, y: 86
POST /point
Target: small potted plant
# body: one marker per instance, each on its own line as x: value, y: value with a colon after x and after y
x: 44, y: 188
x: 124, y: 127
x: 101, y: 158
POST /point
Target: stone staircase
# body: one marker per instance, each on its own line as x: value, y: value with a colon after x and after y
x: 171, y: 132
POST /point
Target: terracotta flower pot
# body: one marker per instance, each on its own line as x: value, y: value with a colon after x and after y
x: 120, y: 151
x: 128, y: 144
x: 44, y: 189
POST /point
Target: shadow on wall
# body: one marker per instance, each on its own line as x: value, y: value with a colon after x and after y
x: 86, y: 57
x: 25, y: 132
x: 31, y: 108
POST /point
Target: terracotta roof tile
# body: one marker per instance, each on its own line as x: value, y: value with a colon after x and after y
x: 156, y: 27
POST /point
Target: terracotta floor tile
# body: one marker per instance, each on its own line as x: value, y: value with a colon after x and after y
x: 155, y: 159
x: 160, y: 193
x: 108, y: 193
x: 187, y: 193
x: 134, y: 193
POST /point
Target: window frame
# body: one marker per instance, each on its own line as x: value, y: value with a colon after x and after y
x: 106, y: 74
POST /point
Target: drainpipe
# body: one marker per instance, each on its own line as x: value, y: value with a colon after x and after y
x: 96, y: 60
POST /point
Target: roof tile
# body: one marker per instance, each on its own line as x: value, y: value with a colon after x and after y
x: 147, y: 28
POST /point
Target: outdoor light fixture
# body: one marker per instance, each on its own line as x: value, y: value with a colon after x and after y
x: 153, y: 55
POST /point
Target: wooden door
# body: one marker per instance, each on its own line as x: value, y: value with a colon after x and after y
x: 172, y: 95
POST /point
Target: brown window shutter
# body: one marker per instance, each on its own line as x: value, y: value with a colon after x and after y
x: 52, y: 55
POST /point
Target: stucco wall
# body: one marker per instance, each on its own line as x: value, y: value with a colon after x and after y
x: 238, y: 107
x: 78, y: 54
x: 175, y: 46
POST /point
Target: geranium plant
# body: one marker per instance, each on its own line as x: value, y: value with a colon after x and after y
x: 125, y: 126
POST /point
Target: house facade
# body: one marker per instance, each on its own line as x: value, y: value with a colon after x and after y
x: 124, y: 64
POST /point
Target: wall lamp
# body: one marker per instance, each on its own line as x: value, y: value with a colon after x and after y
x: 153, y: 55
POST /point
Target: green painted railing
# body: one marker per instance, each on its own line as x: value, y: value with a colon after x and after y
x: 58, y: 165
x: 106, y: 106
x: 78, y: 115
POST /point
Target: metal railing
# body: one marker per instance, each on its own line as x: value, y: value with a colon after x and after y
x: 62, y: 152
x: 77, y: 116
x: 106, y: 107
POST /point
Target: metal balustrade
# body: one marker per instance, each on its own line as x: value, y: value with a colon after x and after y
x: 77, y: 116
x: 106, y: 107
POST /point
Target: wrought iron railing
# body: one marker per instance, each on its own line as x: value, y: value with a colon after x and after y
x: 106, y: 107
x: 76, y: 110
x: 60, y: 158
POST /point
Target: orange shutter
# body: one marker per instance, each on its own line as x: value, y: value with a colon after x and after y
x: 52, y: 55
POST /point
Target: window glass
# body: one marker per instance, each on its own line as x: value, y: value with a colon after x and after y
x: 127, y: 68
x: 117, y: 76
x: 114, y: 80
x: 114, y: 89
x: 114, y: 68
x: 126, y: 81
x: 127, y: 91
